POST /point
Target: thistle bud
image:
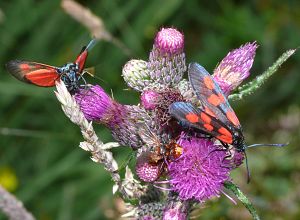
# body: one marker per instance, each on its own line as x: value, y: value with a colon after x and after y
x: 167, y: 59
x: 136, y: 74
x: 235, y: 67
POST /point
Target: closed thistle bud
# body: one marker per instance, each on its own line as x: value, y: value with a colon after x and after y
x: 136, y: 74
x: 167, y: 59
x: 235, y: 67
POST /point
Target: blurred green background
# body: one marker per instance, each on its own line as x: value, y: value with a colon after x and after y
x: 40, y: 161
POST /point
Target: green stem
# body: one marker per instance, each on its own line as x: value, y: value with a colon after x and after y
x: 241, y: 196
x: 250, y: 87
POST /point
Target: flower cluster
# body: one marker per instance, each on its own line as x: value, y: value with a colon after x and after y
x: 191, y: 166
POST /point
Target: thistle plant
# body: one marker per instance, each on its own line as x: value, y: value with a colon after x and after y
x: 176, y: 168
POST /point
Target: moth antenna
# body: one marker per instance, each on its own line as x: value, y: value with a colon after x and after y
x: 84, y: 81
x: 86, y: 71
x: 258, y: 145
x: 247, y: 167
x: 91, y: 44
x: 267, y: 145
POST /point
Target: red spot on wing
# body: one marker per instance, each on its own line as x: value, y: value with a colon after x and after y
x: 209, y: 83
x: 214, y: 100
x: 42, y: 77
x: 225, y: 139
x: 208, y: 127
x: 221, y: 97
x: 224, y: 131
x: 24, y: 67
x: 205, y: 118
x: 191, y: 117
x: 232, y: 117
x: 210, y: 112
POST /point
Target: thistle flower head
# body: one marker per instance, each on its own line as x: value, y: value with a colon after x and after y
x: 201, y: 171
x: 167, y: 59
x: 94, y: 103
x: 235, y: 67
x: 97, y: 106
x: 169, y: 41
x: 147, y: 170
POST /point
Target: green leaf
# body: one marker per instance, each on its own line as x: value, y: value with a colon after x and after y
x: 241, y: 196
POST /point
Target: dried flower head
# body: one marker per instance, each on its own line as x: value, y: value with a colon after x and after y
x: 166, y: 98
x: 235, y: 67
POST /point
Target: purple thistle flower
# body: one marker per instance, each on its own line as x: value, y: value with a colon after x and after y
x: 167, y: 59
x: 201, y: 171
x: 146, y: 170
x: 235, y: 67
x: 97, y: 106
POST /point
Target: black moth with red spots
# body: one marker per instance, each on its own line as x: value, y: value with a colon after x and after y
x: 45, y: 75
x: 215, y: 118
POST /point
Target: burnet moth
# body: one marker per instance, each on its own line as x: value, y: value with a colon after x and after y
x: 45, y: 75
x: 215, y: 117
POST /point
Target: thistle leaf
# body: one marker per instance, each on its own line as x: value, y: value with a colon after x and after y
x: 241, y: 196
x: 250, y: 87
